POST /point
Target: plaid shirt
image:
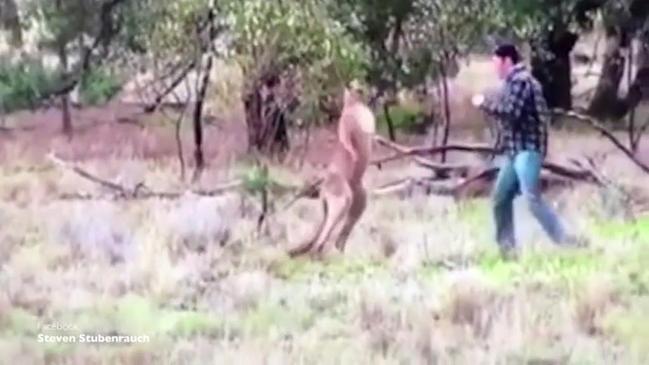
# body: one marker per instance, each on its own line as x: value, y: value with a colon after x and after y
x: 521, y: 111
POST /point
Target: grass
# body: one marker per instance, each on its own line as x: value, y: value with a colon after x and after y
x: 188, y: 274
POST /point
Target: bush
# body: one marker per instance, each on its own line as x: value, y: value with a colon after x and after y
x: 404, y: 118
x: 22, y: 84
x: 98, y: 86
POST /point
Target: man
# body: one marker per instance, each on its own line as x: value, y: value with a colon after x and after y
x: 522, y: 112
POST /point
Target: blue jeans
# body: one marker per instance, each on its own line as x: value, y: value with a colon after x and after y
x: 520, y: 175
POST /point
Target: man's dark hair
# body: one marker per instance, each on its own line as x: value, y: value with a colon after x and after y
x: 508, y: 51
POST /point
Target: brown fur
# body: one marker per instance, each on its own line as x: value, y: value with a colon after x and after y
x: 341, y: 192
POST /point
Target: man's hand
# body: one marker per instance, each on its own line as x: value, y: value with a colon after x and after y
x: 477, y: 100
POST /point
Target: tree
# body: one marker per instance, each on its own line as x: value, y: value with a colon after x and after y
x: 414, y: 41
x: 294, y: 55
x: 440, y: 33
x: 379, y: 25
x: 625, y: 21
x: 63, y: 27
x: 178, y: 38
x: 551, y: 29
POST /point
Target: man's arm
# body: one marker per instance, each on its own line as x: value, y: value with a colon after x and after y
x: 509, y: 105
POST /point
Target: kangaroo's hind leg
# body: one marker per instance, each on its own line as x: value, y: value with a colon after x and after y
x: 308, y: 245
x: 356, y: 210
x: 339, y: 198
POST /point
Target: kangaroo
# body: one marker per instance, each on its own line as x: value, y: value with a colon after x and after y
x: 341, y: 191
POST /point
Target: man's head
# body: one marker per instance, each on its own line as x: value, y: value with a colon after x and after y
x: 505, y: 57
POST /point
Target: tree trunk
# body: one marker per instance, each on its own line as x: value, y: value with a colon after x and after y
x: 605, y: 103
x: 631, y: 127
x: 388, y: 121
x: 275, y: 136
x: 179, y: 145
x: 396, y: 38
x: 639, y: 87
x: 252, y: 106
x: 198, y: 120
x: 447, y: 109
x: 639, y: 91
x: 554, y: 74
x: 65, y: 116
x: 66, y: 119
x: 266, y: 120
x: 10, y: 20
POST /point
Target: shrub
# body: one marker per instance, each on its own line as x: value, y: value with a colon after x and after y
x: 22, y: 84
x: 98, y: 86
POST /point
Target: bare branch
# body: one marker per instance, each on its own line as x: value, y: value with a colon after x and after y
x: 150, y: 108
x: 140, y: 190
x: 403, y: 151
x: 105, y: 183
x: 594, y: 123
x: 456, y: 188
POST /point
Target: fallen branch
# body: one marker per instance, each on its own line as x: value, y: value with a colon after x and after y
x: 140, y: 190
x: 79, y: 171
x: 443, y: 170
x: 404, y: 151
x: 457, y: 189
x: 460, y: 188
x: 407, y: 184
x: 446, y: 170
x: 486, y: 174
x: 581, y: 174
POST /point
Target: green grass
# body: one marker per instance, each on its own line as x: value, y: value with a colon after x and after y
x: 417, y: 306
x: 637, y: 230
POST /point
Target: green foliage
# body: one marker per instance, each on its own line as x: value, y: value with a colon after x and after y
x: 298, y: 38
x: 256, y: 179
x: 379, y: 26
x: 64, y: 21
x: 296, y: 33
x: 404, y: 117
x: 98, y: 86
x: 412, y: 41
x: 22, y: 84
x: 614, y: 230
x: 444, y: 30
x: 167, y: 28
x: 531, y: 18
